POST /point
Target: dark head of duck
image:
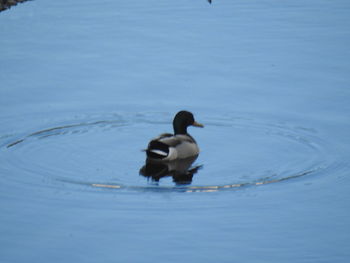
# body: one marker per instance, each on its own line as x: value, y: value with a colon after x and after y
x: 182, y: 120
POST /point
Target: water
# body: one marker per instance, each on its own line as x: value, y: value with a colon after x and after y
x: 84, y: 87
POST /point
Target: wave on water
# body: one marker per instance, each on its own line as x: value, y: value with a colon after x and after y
x: 105, y: 153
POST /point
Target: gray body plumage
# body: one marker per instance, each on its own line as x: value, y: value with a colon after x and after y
x: 180, y: 146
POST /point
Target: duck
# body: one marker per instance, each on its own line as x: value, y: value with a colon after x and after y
x: 177, y: 146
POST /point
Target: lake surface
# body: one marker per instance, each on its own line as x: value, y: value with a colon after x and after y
x: 85, y: 86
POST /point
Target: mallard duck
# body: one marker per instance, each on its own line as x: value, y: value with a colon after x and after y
x: 180, y: 145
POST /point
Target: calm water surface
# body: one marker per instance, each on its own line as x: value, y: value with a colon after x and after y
x: 84, y: 87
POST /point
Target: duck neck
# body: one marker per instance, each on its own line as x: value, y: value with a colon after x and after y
x: 180, y: 129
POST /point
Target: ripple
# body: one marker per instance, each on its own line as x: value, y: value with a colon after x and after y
x: 104, y: 152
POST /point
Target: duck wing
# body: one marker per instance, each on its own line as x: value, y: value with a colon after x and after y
x: 158, y: 148
x: 162, y: 147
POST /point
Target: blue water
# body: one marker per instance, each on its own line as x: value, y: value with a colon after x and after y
x: 85, y: 86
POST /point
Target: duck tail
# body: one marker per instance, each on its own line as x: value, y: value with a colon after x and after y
x: 157, y: 150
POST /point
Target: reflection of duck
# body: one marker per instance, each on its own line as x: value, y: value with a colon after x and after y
x: 180, y: 145
x: 180, y: 170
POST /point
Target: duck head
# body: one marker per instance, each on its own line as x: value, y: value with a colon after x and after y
x: 182, y: 120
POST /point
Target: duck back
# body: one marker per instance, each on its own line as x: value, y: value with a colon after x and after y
x: 171, y: 147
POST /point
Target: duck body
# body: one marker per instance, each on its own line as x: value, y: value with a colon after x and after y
x: 170, y: 147
x: 180, y: 145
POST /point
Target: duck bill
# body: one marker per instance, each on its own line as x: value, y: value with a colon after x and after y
x: 196, y: 124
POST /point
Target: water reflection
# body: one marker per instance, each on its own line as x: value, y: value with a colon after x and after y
x: 180, y: 170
